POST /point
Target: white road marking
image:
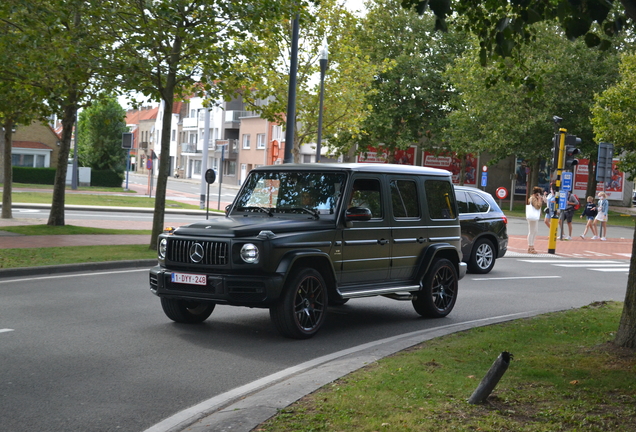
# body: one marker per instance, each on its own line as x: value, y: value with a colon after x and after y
x: 595, y: 265
x: 74, y: 275
x: 6, y: 330
x: 562, y: 261
x: 616, y: 269
x: 518, y: 277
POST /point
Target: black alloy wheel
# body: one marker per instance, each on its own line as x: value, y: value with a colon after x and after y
x: 438, y: 294
x: 301, y: 311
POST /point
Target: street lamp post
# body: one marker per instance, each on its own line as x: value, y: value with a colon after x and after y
x: 324, y: 53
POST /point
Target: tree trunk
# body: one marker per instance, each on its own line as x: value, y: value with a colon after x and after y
x: 626, y: 334
x: 56, y: 217
x: 164, y: 168
x: 8, y: 172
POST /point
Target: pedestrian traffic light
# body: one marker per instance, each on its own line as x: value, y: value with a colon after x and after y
x: 571, y: 150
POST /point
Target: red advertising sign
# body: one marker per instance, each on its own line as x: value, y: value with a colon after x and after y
x: 614, y: 188
x: 381, y: 155
x: 451, y: 163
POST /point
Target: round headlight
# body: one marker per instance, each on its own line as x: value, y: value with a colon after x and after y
x: 163, y: 246
x: 249, y: 253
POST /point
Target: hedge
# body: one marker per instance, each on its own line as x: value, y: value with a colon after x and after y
x: 103, y: 178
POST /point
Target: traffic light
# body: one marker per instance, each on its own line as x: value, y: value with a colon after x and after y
x: 571, y: 150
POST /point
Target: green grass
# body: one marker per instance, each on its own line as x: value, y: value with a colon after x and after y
x: 614, y: 218
x: 95, y: 200
x: 35, y: 257
x: 67, y: 230
x: 565, y: 376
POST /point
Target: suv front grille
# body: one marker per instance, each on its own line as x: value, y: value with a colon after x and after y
x: 206, y: 253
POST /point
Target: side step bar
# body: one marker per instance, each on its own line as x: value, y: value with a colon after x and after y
x: 397, y: 293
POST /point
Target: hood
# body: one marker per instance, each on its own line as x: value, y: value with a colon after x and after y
x: 250, y: 226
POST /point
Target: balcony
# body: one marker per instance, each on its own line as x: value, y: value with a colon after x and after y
x: 190, y: 122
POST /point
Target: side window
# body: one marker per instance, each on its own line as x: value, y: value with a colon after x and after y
x: 404, y: 199
x: 462, y: 201
x: 366, y: 193
x: 481, y: 206
x: 440, y: 199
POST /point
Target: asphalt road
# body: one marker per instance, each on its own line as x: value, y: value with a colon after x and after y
x: 95, y: 352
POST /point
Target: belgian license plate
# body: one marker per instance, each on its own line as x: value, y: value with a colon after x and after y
x: 190, y: 279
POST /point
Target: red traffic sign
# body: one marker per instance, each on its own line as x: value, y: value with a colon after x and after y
x: 501, y: 192
x: 484, y: 168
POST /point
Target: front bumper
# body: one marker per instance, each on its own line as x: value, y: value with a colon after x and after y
x: 240, y: 290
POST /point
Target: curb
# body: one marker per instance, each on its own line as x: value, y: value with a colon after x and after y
x: 71, y: 268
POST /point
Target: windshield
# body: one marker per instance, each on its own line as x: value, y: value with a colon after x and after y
x: 308, y: 193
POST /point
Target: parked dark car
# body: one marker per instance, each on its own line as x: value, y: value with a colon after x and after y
x: 484, y: 229
x: 300, y: 237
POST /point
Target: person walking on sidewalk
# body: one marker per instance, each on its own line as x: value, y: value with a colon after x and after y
x: 603, y: 208
x: 533, y: 214
x: 590, y: 212
x: 567, y: 214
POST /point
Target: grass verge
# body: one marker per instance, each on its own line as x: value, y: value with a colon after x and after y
x: 565, y: 376
x: 96, y: 200
x: 67, y: 230
x: 36, y: 257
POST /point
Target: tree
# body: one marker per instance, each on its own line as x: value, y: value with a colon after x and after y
x: 163, y: 47
x: 410, y: 98
x: 100, y: 136
x: 347, y: 79
x: 515, y: 116
x: 62, y: 56
x: 502, y: 27
x: 613, y: 119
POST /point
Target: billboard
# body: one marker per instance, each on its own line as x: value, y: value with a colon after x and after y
x: 381, y: 155
x: 614, y: 187
x: 450, y: 162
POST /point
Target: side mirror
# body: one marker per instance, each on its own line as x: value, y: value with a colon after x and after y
x: 357, y: 214
x: 227, y: 209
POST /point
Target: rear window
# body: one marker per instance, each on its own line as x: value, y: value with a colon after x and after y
x: 440, y: 198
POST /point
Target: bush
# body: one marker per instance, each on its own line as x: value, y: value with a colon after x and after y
x: 34, y: 175
x: 106, y: 178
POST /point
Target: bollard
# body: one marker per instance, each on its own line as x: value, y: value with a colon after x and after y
x: 487, y: 385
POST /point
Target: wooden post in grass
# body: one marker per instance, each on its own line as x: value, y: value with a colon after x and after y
x: 487, y: 385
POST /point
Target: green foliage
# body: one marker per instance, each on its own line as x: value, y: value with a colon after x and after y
x: 511, y: 113
x: 33, y: 175
x: 347, y: 78
x: 101, y: 126
x: 106, y: 178
x: 614, y: 115
x: 410, y: 98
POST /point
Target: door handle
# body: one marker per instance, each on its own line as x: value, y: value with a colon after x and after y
x: 383, y: 241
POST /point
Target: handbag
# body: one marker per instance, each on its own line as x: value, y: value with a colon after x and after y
x: 532, y: 213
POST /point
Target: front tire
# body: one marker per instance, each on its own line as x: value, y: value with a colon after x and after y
x: 438, y: 294
x: 186, y: 312
x: 482, y: 260
x: 301, y: 310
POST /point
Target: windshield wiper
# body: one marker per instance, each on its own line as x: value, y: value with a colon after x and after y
x: 259, y: 208
x: 312, y: 212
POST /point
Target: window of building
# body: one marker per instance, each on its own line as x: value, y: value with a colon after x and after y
x: 231, y: 168
x: 260, y: 141
x: 174, y: 134
x: 246, y: 141
x: 22, y: 160
x: 197, y: 167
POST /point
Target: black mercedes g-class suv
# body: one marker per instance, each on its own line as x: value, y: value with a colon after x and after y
x: 298, y: 238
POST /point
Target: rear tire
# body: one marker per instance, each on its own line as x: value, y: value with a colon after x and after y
x: 482, y: 259
x: 186, y: 312
x: 438, y: 294
x: 301, y: 310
